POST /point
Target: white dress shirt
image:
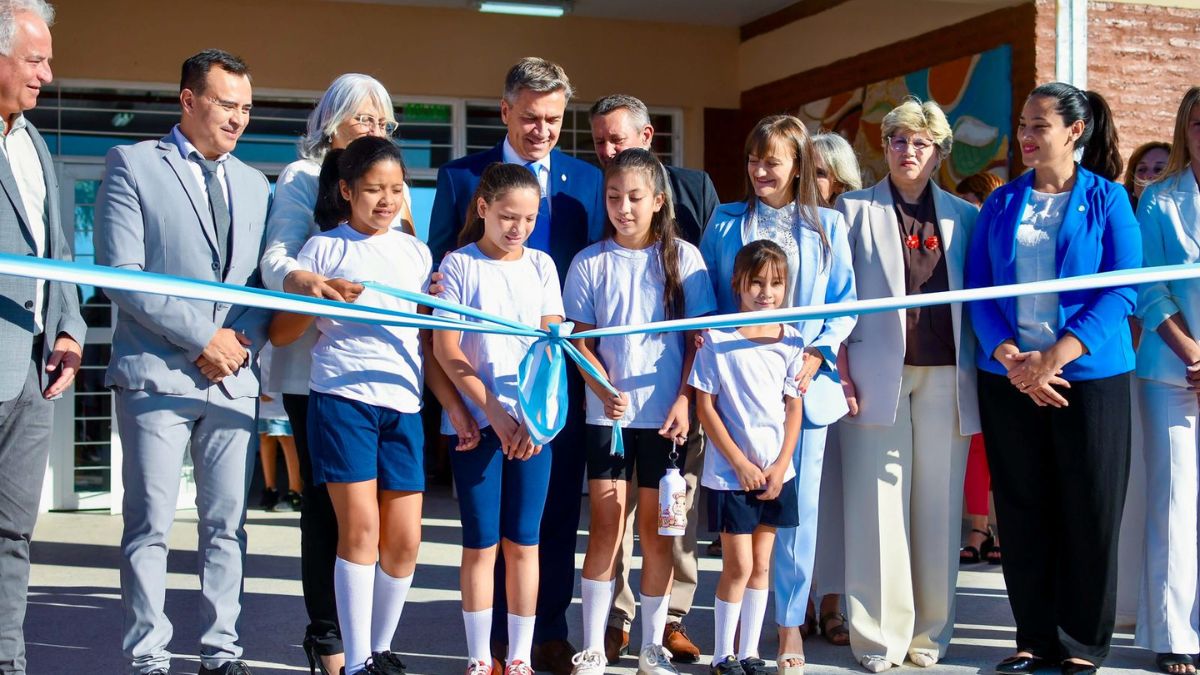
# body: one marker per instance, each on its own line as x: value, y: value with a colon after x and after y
x: 17, y: 146
x: 542, y: 165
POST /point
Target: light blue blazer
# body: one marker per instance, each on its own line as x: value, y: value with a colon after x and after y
x: 818, y: 281
x: 1169, y: 215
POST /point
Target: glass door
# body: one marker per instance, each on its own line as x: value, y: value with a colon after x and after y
x: 85, y: 455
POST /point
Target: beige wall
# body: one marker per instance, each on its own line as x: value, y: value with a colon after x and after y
x: 416, y: 51
x: 859, y: 26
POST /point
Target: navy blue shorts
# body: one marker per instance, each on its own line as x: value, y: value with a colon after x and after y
x: 499, y: 497
x: 740, y: 511
x: 351, y: 441
x: 645, y: 450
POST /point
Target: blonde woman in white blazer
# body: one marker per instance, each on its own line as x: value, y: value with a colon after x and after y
x: 1168, y: 363
x: 904, y: 453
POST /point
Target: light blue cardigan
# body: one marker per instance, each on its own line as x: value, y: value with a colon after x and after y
x: 818, y: 281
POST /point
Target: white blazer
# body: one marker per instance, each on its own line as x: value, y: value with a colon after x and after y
x: 877, y: 343
x: 1169, y: 213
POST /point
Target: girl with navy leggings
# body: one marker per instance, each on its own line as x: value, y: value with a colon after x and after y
x: 501, y: 481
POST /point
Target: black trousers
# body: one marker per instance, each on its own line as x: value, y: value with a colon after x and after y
x: 1059, y: 477
x: 318, y: 541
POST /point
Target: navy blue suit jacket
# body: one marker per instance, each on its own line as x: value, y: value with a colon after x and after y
x: 577, y: 212
x: 695, y: 200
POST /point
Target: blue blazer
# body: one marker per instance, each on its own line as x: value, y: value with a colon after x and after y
x: 817, y: 282
x: 577, y: 212
x: 1098, y: 234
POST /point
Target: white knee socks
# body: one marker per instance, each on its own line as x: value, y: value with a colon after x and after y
x: 597, y: 600
x: 479, y: 634
x: 754, y: 608
x: 353, y: 587
x: 726, y: 614
x: 654, y: 618
x: 390, y: 594
x: 520, y: 637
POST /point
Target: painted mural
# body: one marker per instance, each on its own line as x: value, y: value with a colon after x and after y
x: 975, y: 91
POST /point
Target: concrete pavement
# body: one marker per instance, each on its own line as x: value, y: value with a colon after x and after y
x: 74, y: 619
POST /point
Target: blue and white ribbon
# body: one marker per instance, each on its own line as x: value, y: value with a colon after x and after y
x: 542, y: 375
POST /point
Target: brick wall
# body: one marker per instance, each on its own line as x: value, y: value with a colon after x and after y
x: 1142, y: 58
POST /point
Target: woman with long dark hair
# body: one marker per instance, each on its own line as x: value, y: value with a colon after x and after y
x: 1054, y: 389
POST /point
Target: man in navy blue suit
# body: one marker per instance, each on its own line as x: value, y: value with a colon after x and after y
x: 620, y: 122
x: 571, y: 216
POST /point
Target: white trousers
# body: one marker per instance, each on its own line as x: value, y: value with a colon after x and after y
x: 1169, y: 611
x: 902, y: 494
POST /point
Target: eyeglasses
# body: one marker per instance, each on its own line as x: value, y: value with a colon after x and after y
x: 230, y: 107
x: 901, y: 144
x: 370, y: 123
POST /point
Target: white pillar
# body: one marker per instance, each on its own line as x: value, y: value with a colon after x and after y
x: 1070, y: 51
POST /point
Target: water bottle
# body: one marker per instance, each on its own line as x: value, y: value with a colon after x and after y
x: 672, y: 504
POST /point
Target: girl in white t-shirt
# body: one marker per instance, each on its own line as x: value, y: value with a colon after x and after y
x: 502, y: 482
x: 750, y: 408
x: 641, y: 271
x: 364, y: 423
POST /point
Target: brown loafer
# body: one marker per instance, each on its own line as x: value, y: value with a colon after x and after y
x: 676, y: 640
x: 616, y: 644
x: 553, y: 656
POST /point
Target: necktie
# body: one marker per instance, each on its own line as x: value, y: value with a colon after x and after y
x: 220, y: 210
x: 540, y: 239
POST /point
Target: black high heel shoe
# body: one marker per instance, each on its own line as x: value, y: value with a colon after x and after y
x: 315, y: 665
x: 969, y: 555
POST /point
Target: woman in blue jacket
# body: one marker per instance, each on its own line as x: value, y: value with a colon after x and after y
x: 1054, y: 384
x: 781, y: 205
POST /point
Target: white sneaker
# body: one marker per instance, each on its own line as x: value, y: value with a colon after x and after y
x: 655, y: 660
x: 477, y: 667
x: 588, y: 662
x: 874, y: 663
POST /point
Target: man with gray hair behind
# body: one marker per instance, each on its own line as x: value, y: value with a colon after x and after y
x: 40, y: 325
x: 570, y: 216
x: 619, y: 122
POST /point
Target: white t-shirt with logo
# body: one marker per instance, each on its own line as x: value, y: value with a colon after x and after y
x: 522, y: 290
x: 379, y: 365
x: 609, y: 285
x: 749, y: 380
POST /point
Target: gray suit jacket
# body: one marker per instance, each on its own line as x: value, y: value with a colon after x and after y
x: 17, y: 294
x: 152, y: 215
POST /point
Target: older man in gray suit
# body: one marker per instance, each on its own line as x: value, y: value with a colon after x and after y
x: 40, y: 326
x: 181, y: 369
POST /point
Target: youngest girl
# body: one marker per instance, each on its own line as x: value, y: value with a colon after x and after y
x: 750, y: 408
x: 502, y: 482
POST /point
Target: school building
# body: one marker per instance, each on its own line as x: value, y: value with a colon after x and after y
x: 707, y: 68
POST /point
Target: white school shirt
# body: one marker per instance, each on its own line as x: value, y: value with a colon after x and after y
x: 609, y: 285
x: 1037, y: 245
x: 749, y: 380
x: 378, y: 365
x: 17, y: 146
x: 273, y: 409
x: 522, y: 290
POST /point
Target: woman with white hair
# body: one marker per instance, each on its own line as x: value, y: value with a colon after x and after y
x: 911, y: 374
x: 353, y: 106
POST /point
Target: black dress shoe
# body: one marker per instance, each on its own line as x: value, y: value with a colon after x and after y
x: 1073, y: 668
x: 227, y: 668
x: 1017, y: 665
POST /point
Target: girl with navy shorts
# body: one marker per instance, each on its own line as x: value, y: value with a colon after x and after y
x: 641, y: 271
x: 750, y: 408
x: 364, y: 423
x: 501, y: 482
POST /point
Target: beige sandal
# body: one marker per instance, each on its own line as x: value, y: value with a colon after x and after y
x: 790, y: 670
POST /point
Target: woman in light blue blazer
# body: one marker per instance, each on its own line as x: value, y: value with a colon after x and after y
x: 1168, y: 364
x: 1054, y: 384
x: 781, y: 205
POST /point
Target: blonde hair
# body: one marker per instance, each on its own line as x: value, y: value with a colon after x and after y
x: 914, y: 116
x: 1180, y: 156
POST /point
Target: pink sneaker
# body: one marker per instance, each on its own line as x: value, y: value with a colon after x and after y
x: 479, y: 668
x: 518, y: 667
